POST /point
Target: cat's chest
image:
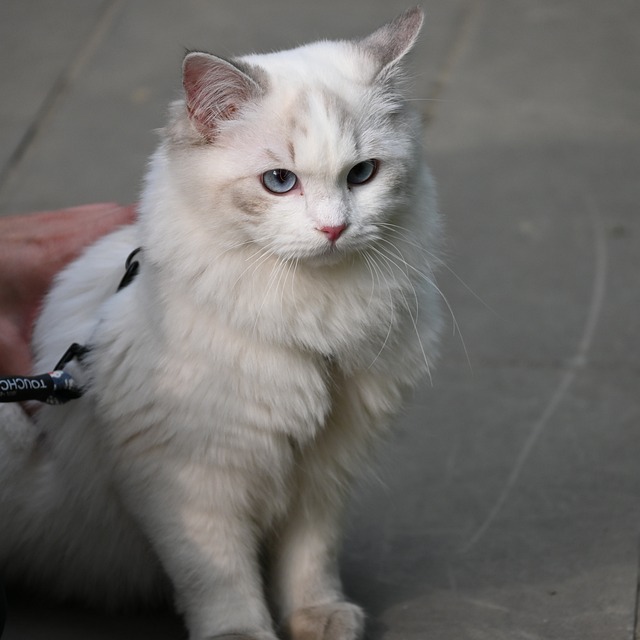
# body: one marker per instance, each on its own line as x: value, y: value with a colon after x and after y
x: 247, y: 361
x: 348, y: 315
x: 201, y: 376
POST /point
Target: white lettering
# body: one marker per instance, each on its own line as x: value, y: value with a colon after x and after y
x: 20, y: 384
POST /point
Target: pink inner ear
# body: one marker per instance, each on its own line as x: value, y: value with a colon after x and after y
x: 393, y: 40
x: 194, y: 78
x: 215, y: 90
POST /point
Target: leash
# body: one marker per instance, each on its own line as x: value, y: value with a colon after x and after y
x: 58, y: 386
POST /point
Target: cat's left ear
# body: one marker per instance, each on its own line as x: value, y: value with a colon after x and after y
x: 391, y: 42
x: 215, y: 90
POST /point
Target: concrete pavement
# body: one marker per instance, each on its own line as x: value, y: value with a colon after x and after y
x: 509, y: 506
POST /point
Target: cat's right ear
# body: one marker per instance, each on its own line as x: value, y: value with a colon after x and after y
x: 215, y: 90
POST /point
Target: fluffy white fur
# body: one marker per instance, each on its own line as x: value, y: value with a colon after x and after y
x: 235, y: 388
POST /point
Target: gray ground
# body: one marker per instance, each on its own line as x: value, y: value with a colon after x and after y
x: 510, y: 501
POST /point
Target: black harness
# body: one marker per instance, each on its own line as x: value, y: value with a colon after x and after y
x: 58, y: 386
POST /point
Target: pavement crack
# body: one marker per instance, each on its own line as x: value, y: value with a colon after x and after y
x: 577, y: 363
x: 59, y: 88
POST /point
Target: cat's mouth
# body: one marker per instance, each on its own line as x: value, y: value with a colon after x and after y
x: 330, y: 253
x: 326, y: 254
x: 319, y: 250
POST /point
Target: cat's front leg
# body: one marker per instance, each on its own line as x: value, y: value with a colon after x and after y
x: 306, y: 577
x: 305, y: 574
x: 196, y: 519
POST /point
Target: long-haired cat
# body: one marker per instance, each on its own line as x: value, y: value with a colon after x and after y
x: 284, y: 306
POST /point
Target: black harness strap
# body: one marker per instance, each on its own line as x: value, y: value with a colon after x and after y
x: 131, y: 269
x: 58, y: 386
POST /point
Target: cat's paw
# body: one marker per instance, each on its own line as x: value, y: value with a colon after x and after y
x: 335, y: 621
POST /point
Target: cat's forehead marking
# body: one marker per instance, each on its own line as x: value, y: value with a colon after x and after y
x: 316, y: 125
x: 335, y: 123
x: 292, y: 151
x: 273, y: 156
x: 298, y: 113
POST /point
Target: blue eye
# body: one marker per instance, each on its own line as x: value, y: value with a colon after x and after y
x: 279, y: 180
x: 362, y: 172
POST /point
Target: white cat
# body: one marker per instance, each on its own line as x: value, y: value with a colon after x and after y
x: 284, y: 307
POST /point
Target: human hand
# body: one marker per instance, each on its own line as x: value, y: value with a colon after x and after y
x: 33, y: 248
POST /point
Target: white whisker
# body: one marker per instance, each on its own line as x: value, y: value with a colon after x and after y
x: 263, y: 255
x: 276, y: 271
x: 390, y: 261
x: 232, y: 247
x: 377, y: 272
x: 285, y: 272
x: 432, y: 283
x: 413, y: 316
x: 294, y: 297
x: 374, y: 270
x: 403, y: 234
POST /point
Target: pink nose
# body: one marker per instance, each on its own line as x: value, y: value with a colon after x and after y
x: 333, y: 233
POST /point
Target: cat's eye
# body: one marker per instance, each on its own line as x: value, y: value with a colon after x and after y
x: 279, y: 180
x: 362, y: 172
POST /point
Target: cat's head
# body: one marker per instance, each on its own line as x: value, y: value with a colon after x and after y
x: 307, y: 153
